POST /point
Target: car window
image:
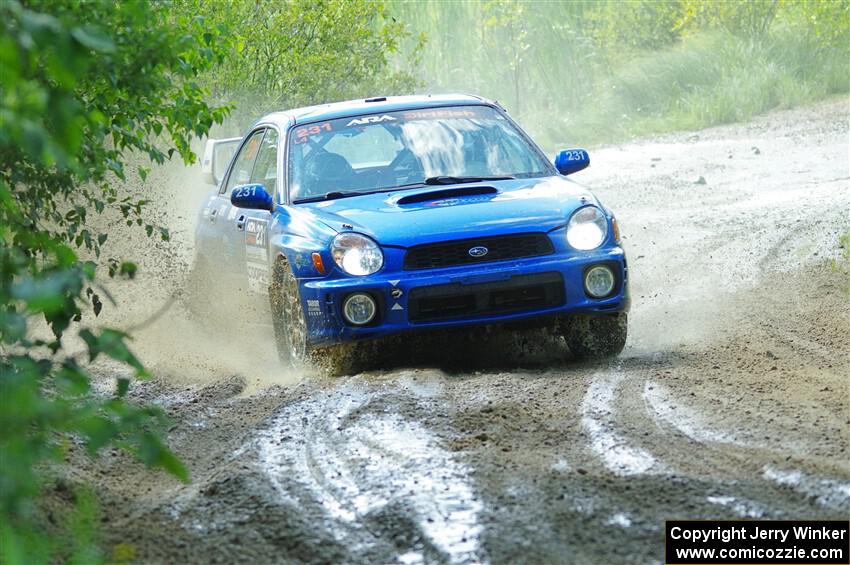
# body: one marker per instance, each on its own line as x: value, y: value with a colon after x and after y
x: 372, y: 148
x: 244, y: 164
x: 265, y: 169
x: 405, y: 148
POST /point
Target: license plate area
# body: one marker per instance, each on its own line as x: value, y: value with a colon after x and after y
x: 455, y: 300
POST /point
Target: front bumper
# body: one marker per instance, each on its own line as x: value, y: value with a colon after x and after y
x: 487, y: 293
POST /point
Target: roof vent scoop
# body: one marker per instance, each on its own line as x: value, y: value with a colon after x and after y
x: 447, y: 193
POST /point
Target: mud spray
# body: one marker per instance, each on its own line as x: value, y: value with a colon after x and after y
x: 176, y: 342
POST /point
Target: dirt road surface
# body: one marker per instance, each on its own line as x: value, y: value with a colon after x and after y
x: 731, y: 399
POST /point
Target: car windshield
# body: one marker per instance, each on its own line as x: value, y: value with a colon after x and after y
x: 350, y: 156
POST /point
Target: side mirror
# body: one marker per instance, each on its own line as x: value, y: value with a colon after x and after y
x: 252, y: 197
x: 571, y: 161
x: 217, y: 155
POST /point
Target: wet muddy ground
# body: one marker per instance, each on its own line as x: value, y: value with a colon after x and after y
x: 730, y: 400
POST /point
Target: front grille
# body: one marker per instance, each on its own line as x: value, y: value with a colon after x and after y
x: 456, y: 300
x: 499, y: 248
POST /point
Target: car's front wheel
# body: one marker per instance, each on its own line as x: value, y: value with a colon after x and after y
x: 290, y: 331
x: 595, y: 336
x: 290, y: 328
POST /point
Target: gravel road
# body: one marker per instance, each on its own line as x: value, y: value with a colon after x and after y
x: 731, y: 398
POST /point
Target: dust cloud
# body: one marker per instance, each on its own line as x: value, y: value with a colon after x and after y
x: 177, y: 335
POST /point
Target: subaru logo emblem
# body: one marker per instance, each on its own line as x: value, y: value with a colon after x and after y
x: 478, y: 251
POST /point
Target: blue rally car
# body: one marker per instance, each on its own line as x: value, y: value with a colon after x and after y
x: 371, y: 218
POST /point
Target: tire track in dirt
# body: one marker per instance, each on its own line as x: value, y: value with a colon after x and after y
x: 615, y: 452
x: 367, y: 468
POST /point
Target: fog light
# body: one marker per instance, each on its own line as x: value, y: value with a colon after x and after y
x: 599, y: 281
x: 359, y: 309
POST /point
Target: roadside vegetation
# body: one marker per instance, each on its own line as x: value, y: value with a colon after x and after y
x: 81, y: 87
x: 85, y: 86
x: 292, y: 54
x: 587, y: 72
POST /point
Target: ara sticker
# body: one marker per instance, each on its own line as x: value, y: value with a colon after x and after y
x: 370, y: 120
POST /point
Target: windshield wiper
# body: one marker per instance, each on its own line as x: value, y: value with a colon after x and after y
x: 330, y: 196
x: 459, y: 180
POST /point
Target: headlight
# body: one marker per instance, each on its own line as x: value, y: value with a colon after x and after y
x: 356, y: 254
x: 587, y: 229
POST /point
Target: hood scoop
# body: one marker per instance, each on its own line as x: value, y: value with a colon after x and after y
x: 447, y: 193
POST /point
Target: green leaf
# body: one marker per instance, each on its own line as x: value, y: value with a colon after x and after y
x: 98, y: 431
x: 93, y: 38
x: 154, y: 454
x: 73, y: 379
x: 111, y: 343
x: 128, y: 269
x: 123, y: 387
x: 13, y: 326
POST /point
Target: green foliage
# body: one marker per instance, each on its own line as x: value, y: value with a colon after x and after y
x: 588, y: 71
x: 751, y: 19
x: 82, y: 84
x: 81, y: 526
x: 711, y: 78
x: 290, y: 54
x: 615, y: 26
x: 828, y: 21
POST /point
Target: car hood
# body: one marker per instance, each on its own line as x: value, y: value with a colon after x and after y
x: 439, y: 213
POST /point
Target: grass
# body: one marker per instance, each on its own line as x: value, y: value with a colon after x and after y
x: 708, y: 79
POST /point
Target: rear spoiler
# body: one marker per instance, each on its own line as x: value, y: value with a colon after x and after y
x: 217, y: 155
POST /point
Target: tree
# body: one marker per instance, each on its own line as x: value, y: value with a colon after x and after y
x: 302, y: 52
x: 82, y: 83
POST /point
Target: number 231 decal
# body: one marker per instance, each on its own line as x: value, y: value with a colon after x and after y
x: 243, y: 191
x: 576, y: 155
x: 305, y: 132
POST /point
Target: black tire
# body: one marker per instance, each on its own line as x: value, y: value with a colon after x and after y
x: 290, y: 327
x: 290, y: 331
x: 593, y: 337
